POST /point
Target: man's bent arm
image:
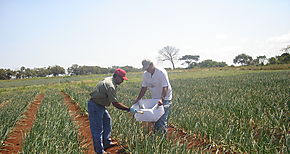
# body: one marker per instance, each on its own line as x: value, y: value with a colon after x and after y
x: 141, y: 93
x: 120, y: 106
x: 164, y: 92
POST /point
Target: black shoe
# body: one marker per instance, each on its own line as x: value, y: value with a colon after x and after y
x: 113, y: 144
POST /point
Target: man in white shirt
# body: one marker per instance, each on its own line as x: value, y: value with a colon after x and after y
x: 156, y: 80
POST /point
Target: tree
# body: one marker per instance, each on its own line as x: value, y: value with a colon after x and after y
x: 6, y: 74
x: 260, y: 60
x: 28, y: 73
x: 73, y: 70
x: 188, y: 59
x: 211, y: 63
x: 272, y: 60
x: 22, y: 72
x: 243, y: 59
x: 56, y: 70
x: 126, y: 68
x: 18, y: 74
x: 169, y: 53
x: 82, y: 70
x: 284, y: 58
x: 41, y: 72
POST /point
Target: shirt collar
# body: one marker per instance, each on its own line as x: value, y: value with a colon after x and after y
x: 114, y: 82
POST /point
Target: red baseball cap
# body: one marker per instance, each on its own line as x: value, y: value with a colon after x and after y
x: 121, y: 73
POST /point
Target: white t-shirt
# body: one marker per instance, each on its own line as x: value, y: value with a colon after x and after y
x: 156, y: 82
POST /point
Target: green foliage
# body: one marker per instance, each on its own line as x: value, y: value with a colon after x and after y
x: 239, y: 110
x: 283, y: 59
x: 211, y: 63
x: 53, y: 130
x: 243, y: 59
x: 55, y: 70
x: 188, y: 59
x: 247, y: 113
x: 47, y: 81
x: 6, y: 74
x: 80, y: 95
x: 41, y: 72
x: 85, y: 70
x: 260, y: 60
x: 12, y: 105
x: 126, y: 68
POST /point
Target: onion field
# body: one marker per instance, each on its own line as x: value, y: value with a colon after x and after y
x: 234, y: 111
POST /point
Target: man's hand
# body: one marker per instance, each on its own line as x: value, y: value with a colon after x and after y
x: 132, y: 110
x: 160, y: 102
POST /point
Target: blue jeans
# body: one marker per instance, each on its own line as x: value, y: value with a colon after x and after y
x: 101, y: 126
x: 161, y: 124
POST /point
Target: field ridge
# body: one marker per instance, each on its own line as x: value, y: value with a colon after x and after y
x: 14, y: 140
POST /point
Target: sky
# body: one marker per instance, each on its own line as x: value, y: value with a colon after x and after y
x: 109, y: 33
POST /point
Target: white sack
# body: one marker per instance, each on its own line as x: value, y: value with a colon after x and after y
x: 152, y: 112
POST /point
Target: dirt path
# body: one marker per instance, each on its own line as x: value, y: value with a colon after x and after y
x: 14, y: 141
x: 82, y: 121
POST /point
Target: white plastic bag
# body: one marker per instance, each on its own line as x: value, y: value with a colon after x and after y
x: 151, y: 111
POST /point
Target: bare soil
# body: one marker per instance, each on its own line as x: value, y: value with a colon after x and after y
x: 14, y: 141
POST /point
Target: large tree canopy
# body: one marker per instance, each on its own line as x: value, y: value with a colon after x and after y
x: 188, y: 59
x: 243, y: 59
x: 56, y: 70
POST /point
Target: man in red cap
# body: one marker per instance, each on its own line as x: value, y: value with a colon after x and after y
x: 103, y: 96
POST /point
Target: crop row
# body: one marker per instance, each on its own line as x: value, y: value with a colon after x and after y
x: 53, y: 131
x: 13, y: 105
x: 245, y: 113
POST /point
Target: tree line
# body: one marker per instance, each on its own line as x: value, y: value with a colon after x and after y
x: 7, y: 74
x: 168, y: 53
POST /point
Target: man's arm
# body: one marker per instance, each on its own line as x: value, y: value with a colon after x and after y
x: 120, y: 106
x: 141, y: 94
x: 163, y: 94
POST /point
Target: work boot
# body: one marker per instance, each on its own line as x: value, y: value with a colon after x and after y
x: 112, y: 144
x: 102, y: 152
